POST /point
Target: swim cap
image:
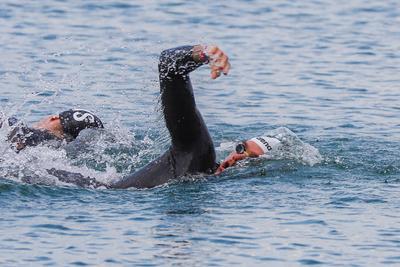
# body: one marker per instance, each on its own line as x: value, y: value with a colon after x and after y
x: 266, y: 143
x: 75, y: 120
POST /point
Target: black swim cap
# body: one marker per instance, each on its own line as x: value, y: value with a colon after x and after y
x: 75, y: 120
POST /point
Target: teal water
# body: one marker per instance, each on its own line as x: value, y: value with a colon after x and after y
x: 326, y: 70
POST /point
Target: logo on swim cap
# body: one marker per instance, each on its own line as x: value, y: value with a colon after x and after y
x: 266, y: 143
x: 75, y: 120
x: 78, y: 116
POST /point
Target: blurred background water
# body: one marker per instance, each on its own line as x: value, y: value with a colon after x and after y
x: 327, y: 70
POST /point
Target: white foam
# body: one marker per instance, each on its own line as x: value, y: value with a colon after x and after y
x: 294, y: 148
x: 106, y: 151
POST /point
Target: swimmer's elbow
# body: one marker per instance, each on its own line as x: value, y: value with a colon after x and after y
x: 163, y: 58
x: 166, y: 54
x: 177, y: 61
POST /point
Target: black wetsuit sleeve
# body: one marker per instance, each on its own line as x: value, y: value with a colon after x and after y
x: 76, y: 178
x: 182, y: 118
x: 192, y: 149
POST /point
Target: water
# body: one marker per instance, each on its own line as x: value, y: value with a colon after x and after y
x: 326, y: 70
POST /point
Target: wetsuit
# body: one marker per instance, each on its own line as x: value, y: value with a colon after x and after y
x: 192, y: 150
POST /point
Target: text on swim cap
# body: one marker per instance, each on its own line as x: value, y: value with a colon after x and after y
x: 262, y: 140
x: 78, y: 116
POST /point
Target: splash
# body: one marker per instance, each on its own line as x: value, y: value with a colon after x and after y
x: 104, y: 155
x: 294, y: 148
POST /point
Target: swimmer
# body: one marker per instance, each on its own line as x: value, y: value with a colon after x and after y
x: 55, y: 128
x: 253, y: 148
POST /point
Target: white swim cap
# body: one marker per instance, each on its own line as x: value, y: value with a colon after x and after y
x: 266, y: 143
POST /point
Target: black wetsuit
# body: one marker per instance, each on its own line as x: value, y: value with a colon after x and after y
x: 192, y: 150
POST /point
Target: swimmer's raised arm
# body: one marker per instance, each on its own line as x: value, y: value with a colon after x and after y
x: 182, y: 118
x: 192, y: 149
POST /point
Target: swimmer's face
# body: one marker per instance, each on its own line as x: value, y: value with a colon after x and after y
x: 52, y: 124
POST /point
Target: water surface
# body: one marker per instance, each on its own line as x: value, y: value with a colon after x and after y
x: 329, y: 71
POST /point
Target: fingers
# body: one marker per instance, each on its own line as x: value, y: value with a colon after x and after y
x: 219, y: 61
x: 215, y: 73
x: 219, y: 170
x: 212, y: 49
x: 222, y: 167
x: 223, y: 61
x: 229, y: 162
x: 226, y: 69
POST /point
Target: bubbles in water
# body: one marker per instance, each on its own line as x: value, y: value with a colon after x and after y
x: 294, y: 148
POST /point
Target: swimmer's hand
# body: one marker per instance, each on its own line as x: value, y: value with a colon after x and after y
x: 230, y: 161
x: 218, y: 60
x: 252, y: 151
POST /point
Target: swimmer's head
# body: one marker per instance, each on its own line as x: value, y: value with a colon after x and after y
x: 68, y: 124
x: 51, y: 124
x: 55, y: 128
x: 73, y: 121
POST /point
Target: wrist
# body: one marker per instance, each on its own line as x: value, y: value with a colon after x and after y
x: 199, y: 54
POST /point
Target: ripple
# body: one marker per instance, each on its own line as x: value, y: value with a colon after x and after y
x: 325, y: 70
x: 318, y: 222
x: 50, y: 37
x: 310, y: 262
x: 52, y: 227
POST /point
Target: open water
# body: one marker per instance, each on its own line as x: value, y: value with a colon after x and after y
x: 326, y: 70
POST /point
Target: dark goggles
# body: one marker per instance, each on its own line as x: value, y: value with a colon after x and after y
x: 241, y: 148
